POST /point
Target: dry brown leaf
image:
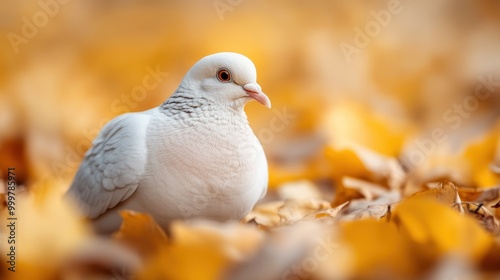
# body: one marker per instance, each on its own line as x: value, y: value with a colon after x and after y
x: 480, y: 212
x: 376, y: 212
x: 280, y: 213
x: 265, y: 214
x: 343, y: 195
x: 479, y: 195
x: 3, y: 195
x: 295, y: 210
x: 445, y: 192
x: 357, y: 163
x: 368, y: 190
x: 351, y: 188
x: 329, y: 213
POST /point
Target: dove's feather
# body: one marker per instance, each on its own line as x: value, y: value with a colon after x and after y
x: 195, y: 156
x: 112, y: 168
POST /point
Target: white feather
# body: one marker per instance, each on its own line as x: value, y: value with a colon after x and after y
x: 194, y: 156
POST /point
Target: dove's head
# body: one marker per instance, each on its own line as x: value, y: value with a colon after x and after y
x: 226, y: 78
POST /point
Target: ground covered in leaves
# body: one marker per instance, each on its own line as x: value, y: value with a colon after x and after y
x: 371, y: 229
x: 383, y: 142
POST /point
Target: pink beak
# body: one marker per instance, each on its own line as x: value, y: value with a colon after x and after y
x: 254, y: 91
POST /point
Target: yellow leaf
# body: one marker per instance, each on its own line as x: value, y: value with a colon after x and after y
x: 350, y: 124
x: 48, y: 230
x: 137, y: 226
x: 438, y: 230
x: 279, y: 174
x: 446, y: 193
x: 202, y: 250
x: 377, y: 250
x: 345, y: 162
x: 480, y: 156
x: 360, y: 163
x: 191, y: 261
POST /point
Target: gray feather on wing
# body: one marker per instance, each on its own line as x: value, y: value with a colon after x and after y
x: 113, y: 167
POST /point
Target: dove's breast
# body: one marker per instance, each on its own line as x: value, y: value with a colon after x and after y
x: 210, y: 166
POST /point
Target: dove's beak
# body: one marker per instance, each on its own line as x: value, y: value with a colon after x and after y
x: 254, y: 91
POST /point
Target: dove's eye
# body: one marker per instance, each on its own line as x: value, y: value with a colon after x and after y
x: 224, y: 75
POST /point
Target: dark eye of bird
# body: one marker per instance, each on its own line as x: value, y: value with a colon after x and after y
x: 223, y: 75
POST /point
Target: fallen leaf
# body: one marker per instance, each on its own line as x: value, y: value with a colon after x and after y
x: 295, y: 210
x: 135, y: 227
x: 361, y: 164
x: 480, y: 154
x: 445, y: 192
x: 479, y: 195
x: 351, y: 188
x: 48, y: 229
x: 282, y: 252
x: 377, y: 250
x: 438, y: 230
x: 480, y: 212
x: 350, y: 123
x: 368, y: 190
x: 329, y: 213
x: 203, y: 250
x: 265, y: 214
x: 376, y: 212
x: 3, y: 195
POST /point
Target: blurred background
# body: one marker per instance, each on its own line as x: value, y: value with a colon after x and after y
x: 369, y: 97
x: 376, y: 73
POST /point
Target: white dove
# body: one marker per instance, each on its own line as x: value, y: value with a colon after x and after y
x: 195, y: 156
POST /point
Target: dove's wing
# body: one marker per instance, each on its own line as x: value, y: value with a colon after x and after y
x: 112, y: 168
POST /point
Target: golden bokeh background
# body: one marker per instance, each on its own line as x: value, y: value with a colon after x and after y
x: 82, y: 60
x: 390, y: 93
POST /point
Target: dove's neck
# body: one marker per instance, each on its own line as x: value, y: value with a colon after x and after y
x: 183, y: 106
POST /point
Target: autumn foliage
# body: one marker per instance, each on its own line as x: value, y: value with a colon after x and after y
x: 383, y: 142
